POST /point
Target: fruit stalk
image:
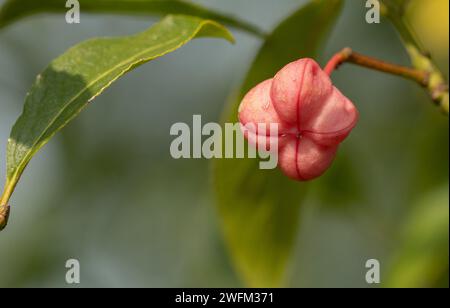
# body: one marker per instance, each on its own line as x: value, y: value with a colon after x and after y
x: 437, y: 87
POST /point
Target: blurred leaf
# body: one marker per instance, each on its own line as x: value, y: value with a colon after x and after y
x: 259, y: 209
x: 14, y: 10
x: 422, y: 258
x: 437, y: 86
x: 430, y: 20
x: 398, y: 5
x: 342, y: 187
x: 84, y: 72
x: 433, y: 164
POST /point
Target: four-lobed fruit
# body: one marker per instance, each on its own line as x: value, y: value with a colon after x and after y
x: 313, y: 117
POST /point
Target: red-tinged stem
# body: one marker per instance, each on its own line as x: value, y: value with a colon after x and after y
x: 4, y: 215
x: 349, y: 56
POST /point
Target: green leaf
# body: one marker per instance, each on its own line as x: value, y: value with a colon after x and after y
x: 84, y: 72
x: 437, y: 84
x: 14, y: 10
x: 259, y: 209
x: 421, y: 260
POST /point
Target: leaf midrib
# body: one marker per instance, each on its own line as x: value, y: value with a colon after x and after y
x: 32, y: 147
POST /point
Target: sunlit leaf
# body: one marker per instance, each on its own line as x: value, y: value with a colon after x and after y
x: 84, y: 72
x: 259, y: 209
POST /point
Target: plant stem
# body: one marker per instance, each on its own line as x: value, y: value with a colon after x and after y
x: 4, y: 206
x: 349, y: 56
x: 436, y: 86
x: 4, y: 215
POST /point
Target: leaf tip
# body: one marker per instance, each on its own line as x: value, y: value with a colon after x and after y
x: 211, y: 28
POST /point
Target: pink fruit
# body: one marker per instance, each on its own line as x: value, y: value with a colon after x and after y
x: 313, y: 117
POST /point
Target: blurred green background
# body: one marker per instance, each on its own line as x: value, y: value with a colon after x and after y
x: 105, y: 191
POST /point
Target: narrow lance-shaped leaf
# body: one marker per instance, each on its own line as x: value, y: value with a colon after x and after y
x: 84, y: 72
x: 259, y: 209
x: 14, y: 10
